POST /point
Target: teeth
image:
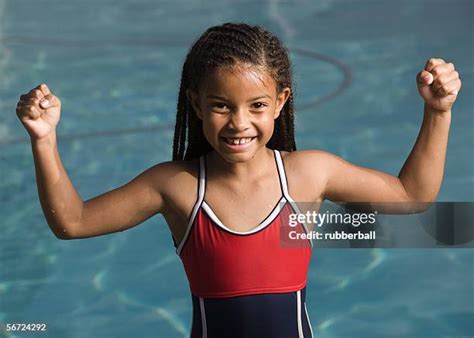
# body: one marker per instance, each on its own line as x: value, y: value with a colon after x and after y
x: 238, y: 140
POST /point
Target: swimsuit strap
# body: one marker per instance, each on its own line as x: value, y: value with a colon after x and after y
x: 197, y: 205
x: 202, y: 178
x: 284, y: 186
x: 282, y: 175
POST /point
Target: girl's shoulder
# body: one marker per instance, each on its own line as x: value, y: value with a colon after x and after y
x: 175, y: 169
x: 302, y: 160
x: 174, y: 177
x: 307, y: 172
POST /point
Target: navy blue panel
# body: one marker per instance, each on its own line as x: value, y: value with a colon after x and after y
x: 196, y: 329
x: 252, y: 316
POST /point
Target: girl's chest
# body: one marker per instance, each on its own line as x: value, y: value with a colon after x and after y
x: 239, y: 211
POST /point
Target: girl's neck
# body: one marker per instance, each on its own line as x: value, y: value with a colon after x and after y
x: 251, y: 169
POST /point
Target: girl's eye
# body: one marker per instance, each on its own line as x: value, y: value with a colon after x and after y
x: 219, y: 105
x: 223, y: 106
x: 259, y: 105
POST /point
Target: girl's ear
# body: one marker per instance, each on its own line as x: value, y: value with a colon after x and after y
x: 281, y: 100
x: 193, y: 98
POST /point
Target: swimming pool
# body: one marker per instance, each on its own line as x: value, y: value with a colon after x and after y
x: 116, y: 68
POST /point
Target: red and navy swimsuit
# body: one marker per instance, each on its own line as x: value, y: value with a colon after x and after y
x: 246, y: 284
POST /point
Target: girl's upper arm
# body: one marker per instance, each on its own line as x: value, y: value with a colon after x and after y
x: 347, y: 182
x: 125, y: 206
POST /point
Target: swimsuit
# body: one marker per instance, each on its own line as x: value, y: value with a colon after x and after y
x: 246, y: 284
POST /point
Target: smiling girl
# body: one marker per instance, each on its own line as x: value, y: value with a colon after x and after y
x: 234, y: 177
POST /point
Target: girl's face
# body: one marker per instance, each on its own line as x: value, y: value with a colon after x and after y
x: 238, y: 106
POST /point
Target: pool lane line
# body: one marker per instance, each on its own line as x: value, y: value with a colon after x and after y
x: 344, y: 69
x: 100, y: 133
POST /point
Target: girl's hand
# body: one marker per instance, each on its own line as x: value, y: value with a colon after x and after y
x: 438, y: 85
x: 39, y: 112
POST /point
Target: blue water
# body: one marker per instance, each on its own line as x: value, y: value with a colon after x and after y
x: 116, y: 67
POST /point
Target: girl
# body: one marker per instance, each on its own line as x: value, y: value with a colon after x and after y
x: 234, y: 161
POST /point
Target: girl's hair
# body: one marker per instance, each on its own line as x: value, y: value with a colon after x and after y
x: 226, y: 45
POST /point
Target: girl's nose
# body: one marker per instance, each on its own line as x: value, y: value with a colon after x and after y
x: 239, y: 119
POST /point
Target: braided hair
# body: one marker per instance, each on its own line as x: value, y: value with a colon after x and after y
x: 222, y: 46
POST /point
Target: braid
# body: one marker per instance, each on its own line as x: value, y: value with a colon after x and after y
x: 180, y: 127
x: 226, y: 45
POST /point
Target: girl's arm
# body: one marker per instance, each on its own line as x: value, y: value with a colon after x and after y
x: 69, y: 217
x: 422, y: 173
x: 420, y: 177
x: 67, y: 214
x: 60, y: 202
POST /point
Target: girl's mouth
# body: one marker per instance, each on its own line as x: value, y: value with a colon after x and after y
x: 238, y: 143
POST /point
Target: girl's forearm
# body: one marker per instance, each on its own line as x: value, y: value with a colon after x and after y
x: 59, y: 200
x: 422, y: 173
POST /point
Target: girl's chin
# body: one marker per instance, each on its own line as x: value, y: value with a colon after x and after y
x: 232, y: 156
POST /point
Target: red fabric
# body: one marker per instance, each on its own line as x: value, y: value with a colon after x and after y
x: 222, y: 264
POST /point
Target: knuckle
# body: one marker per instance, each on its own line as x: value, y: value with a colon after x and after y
x: 456, y: 74
x: 32, y: 111
x: 441, y: 80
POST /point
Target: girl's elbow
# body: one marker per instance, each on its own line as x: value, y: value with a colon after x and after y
x: 62, y: 232
x: 420, y: 203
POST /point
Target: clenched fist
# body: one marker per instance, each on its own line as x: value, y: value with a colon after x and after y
x: 39, y: 112
x: 438, y: 84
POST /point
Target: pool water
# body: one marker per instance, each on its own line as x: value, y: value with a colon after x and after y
x: 116, y: 67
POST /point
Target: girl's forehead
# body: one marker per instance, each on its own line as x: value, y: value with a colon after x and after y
x: 241, y: 78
